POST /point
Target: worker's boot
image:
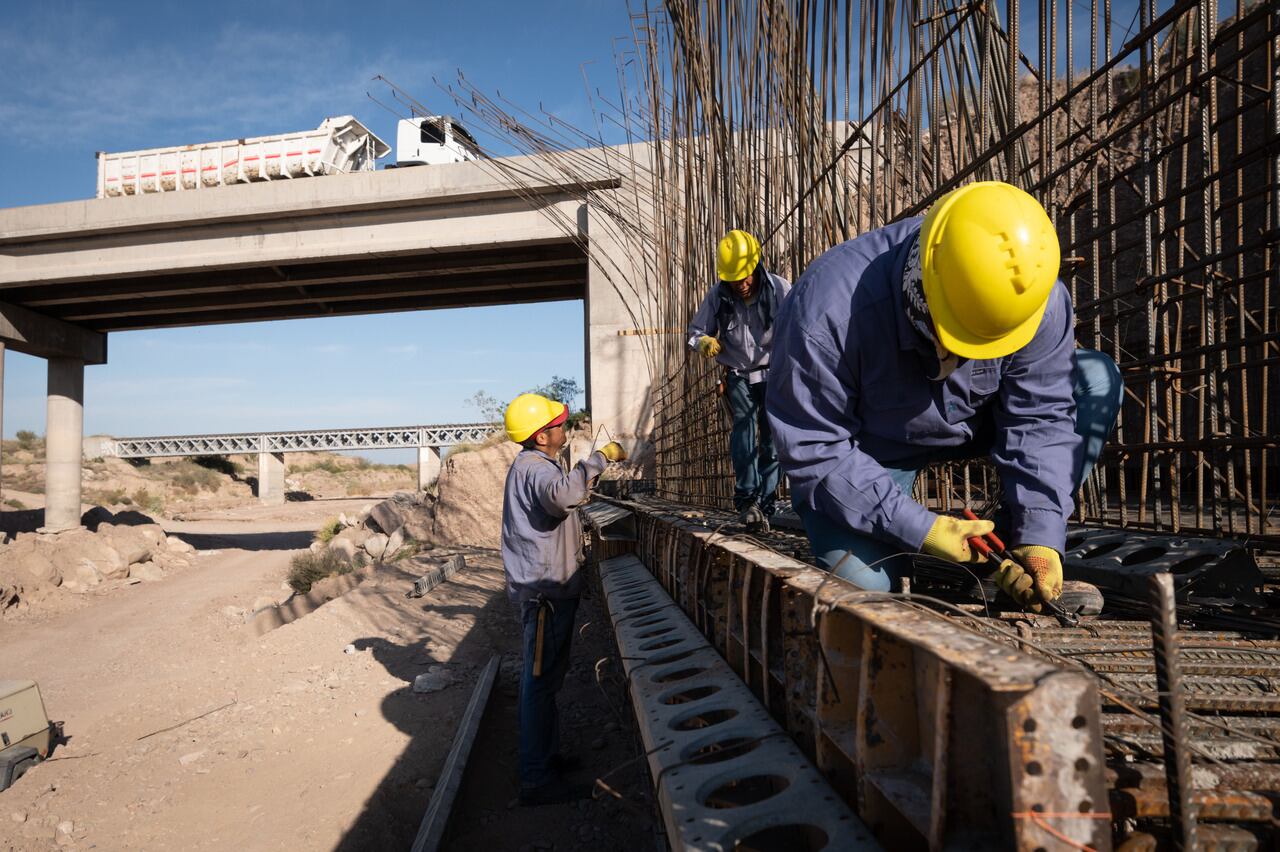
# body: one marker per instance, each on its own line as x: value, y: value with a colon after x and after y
x: 754, y: 520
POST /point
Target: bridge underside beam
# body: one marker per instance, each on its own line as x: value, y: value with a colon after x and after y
x: 47, y: 337
x: 498, y: 275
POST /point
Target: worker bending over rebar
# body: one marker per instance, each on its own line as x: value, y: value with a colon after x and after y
x: 938, y: 339
x: 734, y: 325
x: 541, y: 555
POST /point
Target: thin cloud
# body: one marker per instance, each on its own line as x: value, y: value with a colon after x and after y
x: 79, y: 77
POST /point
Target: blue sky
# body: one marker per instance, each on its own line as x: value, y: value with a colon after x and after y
x: 83, y: 77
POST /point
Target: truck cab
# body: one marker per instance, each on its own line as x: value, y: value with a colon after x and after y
x: 433, y: 140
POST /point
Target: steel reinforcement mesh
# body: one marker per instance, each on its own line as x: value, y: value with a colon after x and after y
x: 1149, y: 131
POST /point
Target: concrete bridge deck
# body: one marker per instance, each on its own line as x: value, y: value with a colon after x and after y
x: 395, y: 240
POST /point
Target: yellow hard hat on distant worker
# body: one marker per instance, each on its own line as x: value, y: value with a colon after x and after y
x: 989, y: 258
x: 530, y: 413
x: 738, y: 256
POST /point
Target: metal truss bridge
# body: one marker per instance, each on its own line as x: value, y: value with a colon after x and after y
x: 299, y: 442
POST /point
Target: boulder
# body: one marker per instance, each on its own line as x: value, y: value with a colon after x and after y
x: 72, y: 551
x: 355, y: 535
x: 394, y: 543
x: 153, y: 533
x: 177, y: 545
x: 87, y: 574
x: 386, y: 517
x: 344, y: 547
x: 147, y: 571
x: 38, y: 566
x: 130, y: 542
x: 375, y: 545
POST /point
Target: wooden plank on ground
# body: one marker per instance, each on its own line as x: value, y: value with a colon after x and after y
x: 431, y: 832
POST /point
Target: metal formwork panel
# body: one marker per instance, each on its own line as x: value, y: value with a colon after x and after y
x: 935, y: 734
x: 728, y: 776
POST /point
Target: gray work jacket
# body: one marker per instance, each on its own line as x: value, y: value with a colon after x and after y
x: 541, y: 531
x: 745, y: 331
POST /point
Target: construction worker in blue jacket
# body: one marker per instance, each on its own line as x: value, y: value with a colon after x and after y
x: 541, y: 555
x: 734, y: 325
x: 935, y: 339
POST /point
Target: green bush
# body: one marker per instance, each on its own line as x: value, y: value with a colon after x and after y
x: 14, y: 503
x: 145, y: 501
x: 27, y: 439
x: 308, y: 568
x: 331, y: 528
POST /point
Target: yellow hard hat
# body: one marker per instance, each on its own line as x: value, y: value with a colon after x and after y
x: 738, y: 256
x: 530, y: 413
x: 989, y: 258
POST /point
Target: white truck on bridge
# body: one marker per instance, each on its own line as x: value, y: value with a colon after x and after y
x: 338, y: 146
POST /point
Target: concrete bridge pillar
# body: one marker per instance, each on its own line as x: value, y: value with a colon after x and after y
x: 271, y: 478
x: 428, y: 467
x: 64, y: 435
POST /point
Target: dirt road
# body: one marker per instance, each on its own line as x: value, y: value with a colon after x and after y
x: 305, y: 745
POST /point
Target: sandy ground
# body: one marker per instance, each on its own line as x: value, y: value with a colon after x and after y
x: 304, y: 746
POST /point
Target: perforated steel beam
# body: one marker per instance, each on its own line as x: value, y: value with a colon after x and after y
x: 728, y: 776
x: 937, y: 736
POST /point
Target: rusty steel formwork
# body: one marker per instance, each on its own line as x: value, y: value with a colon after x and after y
x: 949, y: 726
x: 936, y: 736
x: 1153, y: 140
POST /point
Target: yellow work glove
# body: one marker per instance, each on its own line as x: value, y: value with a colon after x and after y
x: 1045, y: 565
x: 949, y: 537
x: 708, y: 346
x: 613, y: 451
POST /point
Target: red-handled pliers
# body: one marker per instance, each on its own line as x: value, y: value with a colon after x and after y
x: 992, y: 547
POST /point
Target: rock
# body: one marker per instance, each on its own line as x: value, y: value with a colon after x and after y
x: 177, y: 545
x: 342, y: 520
x: 233, y: 612
x: 153, y: 533
x: 386, y: 517
x: 66, y: 827
x: 394, y: 543
x: 131, y: 543
x: 18, y: 816
x: 148, y: 571
x: 375, y: 545
x: 38, y: 566
x: 344, y: 547
x: 188, y: 759
x: 432, y: 681
x: 317, y: 546
x: 350, y: 649
x: 87, y: 574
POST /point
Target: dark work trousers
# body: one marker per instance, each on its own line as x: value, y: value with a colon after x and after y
x: 755, y: 461
x: 539, y: 716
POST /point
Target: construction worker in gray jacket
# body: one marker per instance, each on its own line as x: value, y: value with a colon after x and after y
x: 734, y: 325
x: 541, y: 555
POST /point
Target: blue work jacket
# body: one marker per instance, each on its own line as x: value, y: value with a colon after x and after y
x: 745, y: 331
x: 541, y: 531
x: 849, y: 396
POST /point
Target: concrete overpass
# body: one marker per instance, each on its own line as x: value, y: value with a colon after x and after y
x: 270, y: 447
x: 396, y: 240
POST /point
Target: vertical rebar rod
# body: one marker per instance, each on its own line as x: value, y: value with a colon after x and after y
x: 1173, y: 718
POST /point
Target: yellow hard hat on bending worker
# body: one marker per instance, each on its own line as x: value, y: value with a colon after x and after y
x: 989, y: 257
x: 737, y: 256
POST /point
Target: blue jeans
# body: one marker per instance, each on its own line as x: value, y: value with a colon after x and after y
x: 539, y: 716
x: 755, y: 461
x: 878, y: 565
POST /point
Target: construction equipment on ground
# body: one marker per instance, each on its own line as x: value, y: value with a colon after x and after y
x: 26, y: 733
